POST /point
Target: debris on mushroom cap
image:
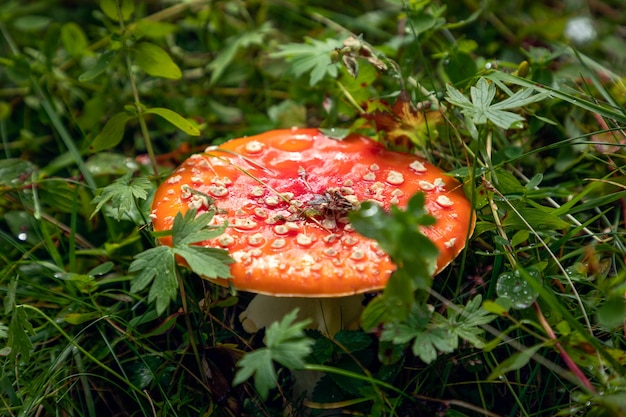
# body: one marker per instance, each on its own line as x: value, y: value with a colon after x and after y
x: 286, y: 195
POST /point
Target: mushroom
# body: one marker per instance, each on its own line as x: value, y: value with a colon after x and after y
x: 286, y: 195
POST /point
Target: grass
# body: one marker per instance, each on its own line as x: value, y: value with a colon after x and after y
x: 100, y: 101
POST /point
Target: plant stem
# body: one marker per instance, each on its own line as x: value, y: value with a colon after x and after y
x: 566, y: 358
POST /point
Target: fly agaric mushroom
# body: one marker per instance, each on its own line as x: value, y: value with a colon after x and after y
x: 286, y: 195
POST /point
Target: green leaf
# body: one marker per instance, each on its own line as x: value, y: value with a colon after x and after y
x: 285, y: 343
x: 122, y: 194
x: 312, y: 57
x: 398, y: 232
x: 538, y: 219
x: 534, y: 181
x: 19, y: 342
x: 73, y: 39
x: 480, y: 109
x: 153, y: 29
x: 228, y: 54
x: 612, y: 313
x: 495, y: 308
x: 101, y: 64
x: 258, y: 364
x: 207, y: 262
x: 188, y: 228
x: 175, y: 119
x: 112, y: 132
x: 465, y: 322
x: 426, y: 344
x: 514, y: 362
x: 10, y: 300
x: 155, y: 61
x: 156, y: 266
x: 110, y: 8
x: 15, y: 172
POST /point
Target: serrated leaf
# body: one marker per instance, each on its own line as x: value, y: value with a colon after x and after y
x: 313, y: 57
x: 175, y: 119
x: 285, y: 343
x: 482, y: 94
x: 122, y: 194
x: 258, y: 364
x: 480, y: 109
x: 207, y: 262
x: 155, y: 61
x: 10, y: 299
x: 427, y: 343
x: 112, y: 132
x: 156, y: 266
x: 465, y: 322
x: 186, y: 226
x: 101, y: 64
x: 19, y: 341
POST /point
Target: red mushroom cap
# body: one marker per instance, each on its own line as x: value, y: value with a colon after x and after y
x: 286, y: 194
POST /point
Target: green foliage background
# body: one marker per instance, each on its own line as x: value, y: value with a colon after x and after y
x: 99, y: 100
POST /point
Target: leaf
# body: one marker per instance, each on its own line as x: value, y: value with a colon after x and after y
x: 313, y: 57
x: 207, y: 262
x: 514, y: 362
x: 110, y: 8
x: 426, y: 344
x: 188, y: 227
x: 73, y: 39
x: 258, y: 364
x: 156, y: 266
x: 175, y: 119
x: 465, y: 322
x: 612, y: 312
x: 480, y: 110
x: 227, y: 55
x: 122, y: 194
x: 398, y: 232
x: 153, y: 29
x: 19, y: 342
x: 101, y: 64
x: 112, y: 132
x: 14, y: 172
x: 538, y: 219
x: 155, y: 61
x: 285, y: 343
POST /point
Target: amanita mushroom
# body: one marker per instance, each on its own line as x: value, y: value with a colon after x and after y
x: 286, y: 195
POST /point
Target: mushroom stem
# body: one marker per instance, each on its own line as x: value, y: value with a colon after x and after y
x: 328, y: 315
